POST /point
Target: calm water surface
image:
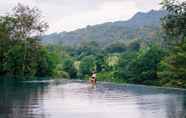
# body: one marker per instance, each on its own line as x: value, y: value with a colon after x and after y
x: 75, y: 99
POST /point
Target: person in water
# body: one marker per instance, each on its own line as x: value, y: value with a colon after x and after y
x: 93, y: 78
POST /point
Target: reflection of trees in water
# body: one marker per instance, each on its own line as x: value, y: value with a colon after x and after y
x: 171, y: 107
x: 184, y: 106
x: 16, y: 99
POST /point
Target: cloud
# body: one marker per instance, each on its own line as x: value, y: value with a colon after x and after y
x: 67, y: 15
x: 107, y: 12
x: 145, y: 5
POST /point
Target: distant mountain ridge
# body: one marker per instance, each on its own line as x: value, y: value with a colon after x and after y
x: 144, y: 26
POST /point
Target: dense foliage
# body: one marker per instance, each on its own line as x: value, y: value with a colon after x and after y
x: 141, y: 67
x: 22, y: 55
x: 175, y: 63
x: 172, y: 68
x: 174, y: 23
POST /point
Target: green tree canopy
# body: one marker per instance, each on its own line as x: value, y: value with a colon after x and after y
x: 174, y: 65
x: 142, y: 67
x: 116, y: 48
x: 87, y: 65
x: 68, y: 66
x: 174, y: 23
x: 22, y: 55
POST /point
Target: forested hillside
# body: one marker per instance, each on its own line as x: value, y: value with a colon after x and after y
x: 145, y: 26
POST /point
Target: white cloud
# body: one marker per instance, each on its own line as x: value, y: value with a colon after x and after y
x: 108, y: 12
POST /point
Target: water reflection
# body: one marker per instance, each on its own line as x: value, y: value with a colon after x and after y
x: 70, y: 99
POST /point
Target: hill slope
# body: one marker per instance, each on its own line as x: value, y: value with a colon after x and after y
x: 145, y: 26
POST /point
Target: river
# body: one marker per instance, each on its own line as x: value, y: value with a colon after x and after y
x: 77, y: 99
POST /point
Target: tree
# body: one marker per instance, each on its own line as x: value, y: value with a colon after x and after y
x: 46, y: 62
x: 174, y: 65
x: 124, y: 65
x: 142, y: 67
x: 26, y: 22
x: 68, y: 66
x: 87, y: 65
x: 172, y: 68
x: 87, y: 48
x: 116, y: 48
x: 100, y: 62
x: 4, y: 46
x: 134, y: 46
x: 174, y: 24
x: 22, y: 55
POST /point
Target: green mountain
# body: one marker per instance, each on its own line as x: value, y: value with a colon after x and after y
x: 142, y: 26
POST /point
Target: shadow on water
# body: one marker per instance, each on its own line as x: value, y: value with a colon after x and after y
x: 16, y: 96
x: 76, y: 99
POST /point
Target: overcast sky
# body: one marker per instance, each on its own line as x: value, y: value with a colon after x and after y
x: 68, y: 15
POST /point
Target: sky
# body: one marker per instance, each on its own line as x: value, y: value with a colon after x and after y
x: 68, y: 15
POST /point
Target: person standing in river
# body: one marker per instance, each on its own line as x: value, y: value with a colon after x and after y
x: 93, y: 78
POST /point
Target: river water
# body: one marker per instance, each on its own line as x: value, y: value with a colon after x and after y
x: 77, y: 99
